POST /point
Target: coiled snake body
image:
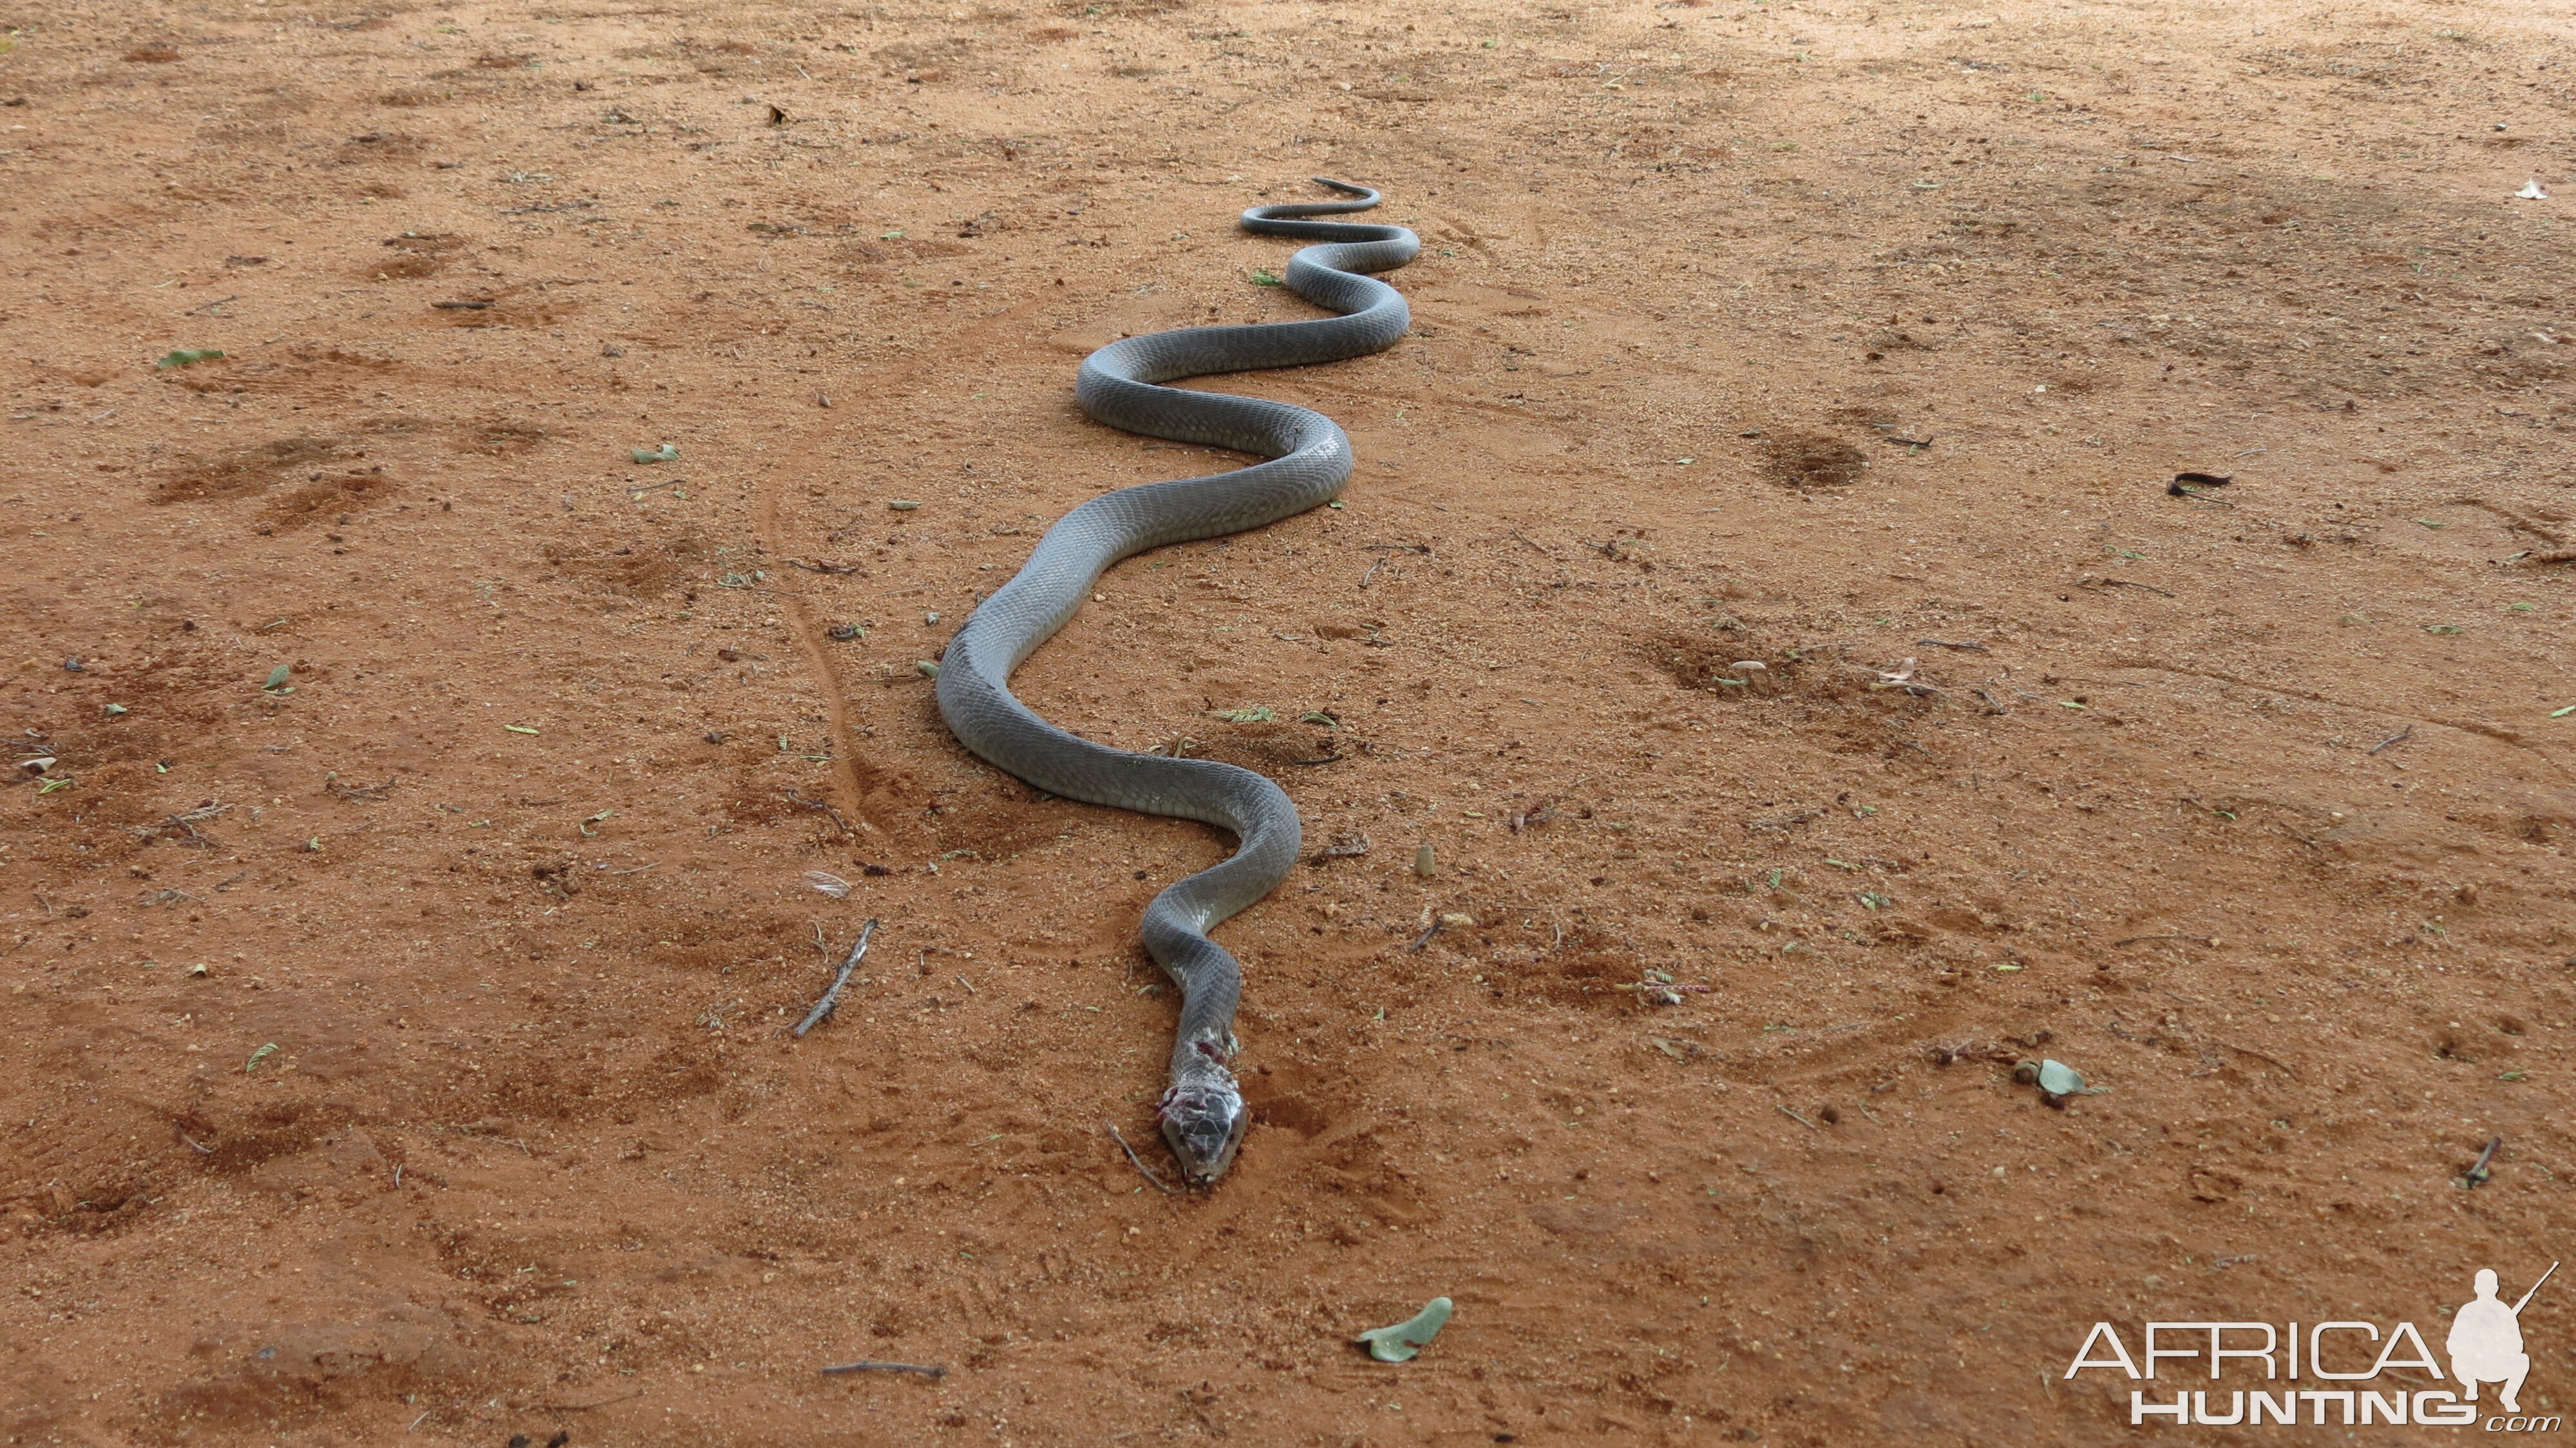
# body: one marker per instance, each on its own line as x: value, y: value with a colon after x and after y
x: 1121, y: 385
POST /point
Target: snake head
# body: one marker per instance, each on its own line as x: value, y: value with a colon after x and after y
x: 1204, y: 1122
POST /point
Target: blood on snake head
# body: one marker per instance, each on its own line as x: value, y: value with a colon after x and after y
x: 1204, y: 1122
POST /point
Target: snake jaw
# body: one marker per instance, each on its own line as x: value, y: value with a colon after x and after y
x: 1204, y: 1122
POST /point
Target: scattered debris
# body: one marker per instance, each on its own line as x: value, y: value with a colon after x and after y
x: 832, y: 997
x: 477, y: 306
x: 1399, y: 1343
x: 190, y: 357
x: 2194, y: 939
x: 1659, y: 989
x: 828, y: 883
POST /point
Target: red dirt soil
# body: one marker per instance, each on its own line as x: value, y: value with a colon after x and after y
x: 1760, y: 591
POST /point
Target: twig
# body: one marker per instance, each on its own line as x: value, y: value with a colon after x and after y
x: 2479, y: 1173
x: 1372, y: 572
x: 825, y: 565
x: 2129, y: 583
x: 1538, y: 548
x: 832, y: 997
x: 1424, y: 938
x: 210, y: 306
x: 640, y: 489
x: 2400, y: 737
x: 2273, y: 1062
x: 1802, y: 1121
x: 1134, y: 1160
x: 1340, y: 850
x: 1970, y: 646
x: 192, y: 1141
x: 2134, y: 939
x: 1783, y: 822
x: 927, y: 1370
x: 825, y: 805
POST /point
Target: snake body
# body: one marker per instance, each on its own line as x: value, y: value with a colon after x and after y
x: 1123, y: 386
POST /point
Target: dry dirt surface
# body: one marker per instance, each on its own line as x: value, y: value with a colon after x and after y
x: 1764, y: 594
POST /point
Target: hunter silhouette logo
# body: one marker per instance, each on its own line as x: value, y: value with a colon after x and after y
x: 2486, y: 1342
x: 2351, y: 1364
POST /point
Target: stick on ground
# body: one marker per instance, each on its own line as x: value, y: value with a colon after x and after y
x: 927, y: 1370
x: 1134, y: 1160
x: 832, y: 997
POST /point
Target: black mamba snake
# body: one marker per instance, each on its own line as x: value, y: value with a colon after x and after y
x: 1121, y: 385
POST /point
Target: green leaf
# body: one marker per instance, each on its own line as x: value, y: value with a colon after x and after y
x: 278, y: 676
x: 2562, y: 713
x: 2059, y: 1079
x: 520, y: 728
x: 1261, y: 277
x: 1399, y: 1343
x: 902, y: 505
x: 663, y: 454
x: 189, y: 357
x: 262, y: 1054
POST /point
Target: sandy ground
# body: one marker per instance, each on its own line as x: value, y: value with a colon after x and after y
x: 1761, y: 591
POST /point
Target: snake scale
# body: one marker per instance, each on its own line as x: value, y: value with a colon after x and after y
x: 1124, y: 385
